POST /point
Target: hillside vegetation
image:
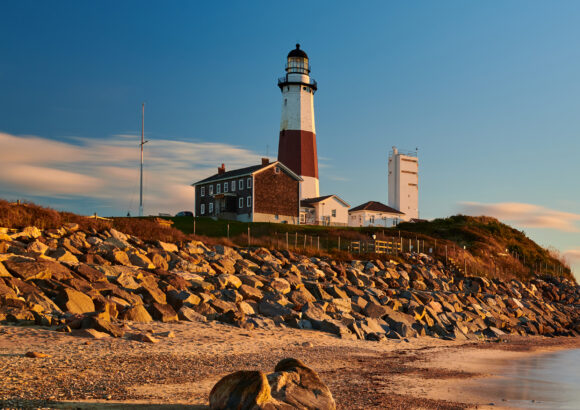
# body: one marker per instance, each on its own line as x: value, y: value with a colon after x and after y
x: 472, y: 245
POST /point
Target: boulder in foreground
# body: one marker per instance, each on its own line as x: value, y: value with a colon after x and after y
x: 292, y: 385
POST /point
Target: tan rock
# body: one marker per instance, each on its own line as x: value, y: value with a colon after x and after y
x: 3, y: 272
x: 63, y: 255
x: 141, y: 261
x: 36, y: 355
x: 136, y: 314
x: 188, y: 314
x: 168, y: 247
x: 240, y: 390
x: 91, y: 334
x: 163, y: 312
x: 143, y: 337
x: 37, y: 247
x: 29, y: 270
x: 281, y: 285
x: 299, y: 386
x: 73, y: 301
x: 31, y: 232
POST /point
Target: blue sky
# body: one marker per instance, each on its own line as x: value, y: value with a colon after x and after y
x: 488, y: 91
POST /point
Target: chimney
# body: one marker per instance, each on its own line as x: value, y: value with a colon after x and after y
x: 222, y: 169
x: 265, y: 161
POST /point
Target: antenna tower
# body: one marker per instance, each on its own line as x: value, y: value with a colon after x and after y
x: 143, y: 142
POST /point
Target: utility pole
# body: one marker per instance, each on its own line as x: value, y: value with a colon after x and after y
x: 143, y: 142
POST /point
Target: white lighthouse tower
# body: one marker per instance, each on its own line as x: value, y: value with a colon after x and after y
x: 297, y: 145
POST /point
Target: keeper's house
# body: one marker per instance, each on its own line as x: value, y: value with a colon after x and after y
x: 269, y: 192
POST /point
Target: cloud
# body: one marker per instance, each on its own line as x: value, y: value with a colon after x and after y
x: 106, y: 171
x: 525, y: 215
x: 572, y: 256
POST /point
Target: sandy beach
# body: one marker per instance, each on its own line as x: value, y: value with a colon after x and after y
x: 179, y: 370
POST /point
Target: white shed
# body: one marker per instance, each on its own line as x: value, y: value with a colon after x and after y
x: 329, y: 210
x: 374, y: 213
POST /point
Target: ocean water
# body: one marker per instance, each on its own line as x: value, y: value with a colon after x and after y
x: 545, y: 381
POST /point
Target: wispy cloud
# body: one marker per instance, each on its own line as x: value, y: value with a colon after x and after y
x: 106, y: 169
x: 572, y: 256
x: 525, y: 215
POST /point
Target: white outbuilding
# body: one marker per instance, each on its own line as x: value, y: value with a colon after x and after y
x: 329, y: 210
x: 374, y: 213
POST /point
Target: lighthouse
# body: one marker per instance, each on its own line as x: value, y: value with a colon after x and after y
x: 297, y: 145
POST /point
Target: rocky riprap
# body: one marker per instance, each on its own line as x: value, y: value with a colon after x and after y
x: 91, y: 282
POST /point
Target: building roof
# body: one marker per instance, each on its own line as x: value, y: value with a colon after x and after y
x: 375, y: 206
x: 309, y: 202
x: 240, y: 172
x: 297, y: 52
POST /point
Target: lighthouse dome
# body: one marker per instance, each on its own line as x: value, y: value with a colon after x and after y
x: 297, y: 52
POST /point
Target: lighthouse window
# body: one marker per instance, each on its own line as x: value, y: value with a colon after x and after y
x: 305, y: 89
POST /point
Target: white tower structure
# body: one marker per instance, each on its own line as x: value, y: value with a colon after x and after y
x: 404, y: 183
x: 297, y: 145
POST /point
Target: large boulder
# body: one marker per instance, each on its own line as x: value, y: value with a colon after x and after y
x: 73, y: 301
x: 240, y: 390
x: 136, y: 314
x: 299, y: 386
x: 29, y: 270
x: 292, y: 385
x: 163, y: 312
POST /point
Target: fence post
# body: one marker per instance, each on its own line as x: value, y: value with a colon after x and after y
x: 318, y: 243
x: 194, y: 225
x: 228, y: 231
x: 339, y: 243
x: 286, y: 240
x: 304, y: 241
x: 296, y: 240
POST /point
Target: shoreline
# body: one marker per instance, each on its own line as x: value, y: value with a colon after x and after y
x: 178, y: 372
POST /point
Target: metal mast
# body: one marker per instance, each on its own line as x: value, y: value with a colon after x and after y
x: 143, y: 142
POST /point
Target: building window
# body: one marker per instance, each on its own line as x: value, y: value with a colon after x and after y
x: 241, y: 203
x: 277, y: 170
x: 241, y: 184
x: 218, y: 188
x: 233, y: 186
x: 202, y: 209
x: 372, y: 219
x: 211, y: 208
x: 302, y: 218
x: 202, y: 191
x: 211, y: 189
x: 249, y: 201
x: 334, y: 213
x: 285, y: 101
x: 249, y: 184
x: 226, y: 186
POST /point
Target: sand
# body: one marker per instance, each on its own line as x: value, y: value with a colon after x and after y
x: 178, y: 372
